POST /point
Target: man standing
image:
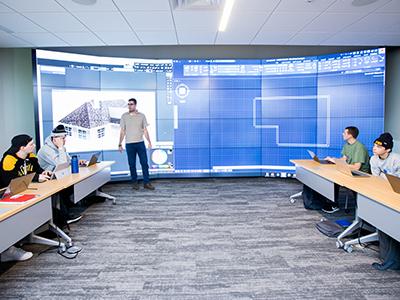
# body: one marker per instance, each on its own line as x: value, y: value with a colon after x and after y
x: 133, y: 127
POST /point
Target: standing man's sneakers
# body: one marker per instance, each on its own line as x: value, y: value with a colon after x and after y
x: 15, y: 254
x: 135, y: 186
x: 72, y: 218
x: 149, y: 186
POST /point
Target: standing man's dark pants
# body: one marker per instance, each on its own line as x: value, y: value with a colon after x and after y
x: 140, y: 149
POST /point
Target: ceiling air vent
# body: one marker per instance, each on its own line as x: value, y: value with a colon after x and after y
x: 197, y: 4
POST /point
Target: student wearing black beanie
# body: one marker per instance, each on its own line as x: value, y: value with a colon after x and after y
x: 19, y: 160
x: 384, y: 161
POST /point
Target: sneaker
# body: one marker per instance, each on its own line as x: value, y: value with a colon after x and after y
x: 330, y: 209
x: 135, y: 186
x: 149, y: 186
x: 15, y: 254
x: 73, y: 218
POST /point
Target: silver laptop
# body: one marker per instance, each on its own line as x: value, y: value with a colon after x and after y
x: 321, y: 161
x: 394, y: 182
x: 343, y: 167
x: 93, y: 160
x: 60, y: 171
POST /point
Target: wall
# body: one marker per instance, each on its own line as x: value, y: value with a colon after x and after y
x: 392, y: 96
x: 16, y: 95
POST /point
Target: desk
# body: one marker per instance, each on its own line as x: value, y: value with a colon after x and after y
x: 20, y: 220
x: 377, y: 203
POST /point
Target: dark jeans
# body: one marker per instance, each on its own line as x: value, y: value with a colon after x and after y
x: 140, y: 149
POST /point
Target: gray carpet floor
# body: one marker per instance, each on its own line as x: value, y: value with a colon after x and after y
x: 201, y: 239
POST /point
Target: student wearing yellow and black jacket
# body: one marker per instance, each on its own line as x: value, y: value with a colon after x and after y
x: 18, y: 161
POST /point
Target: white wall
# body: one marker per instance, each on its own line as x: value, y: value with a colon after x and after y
x: 16, y: 95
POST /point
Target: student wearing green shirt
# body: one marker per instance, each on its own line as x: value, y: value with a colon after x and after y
x: 355, y: 154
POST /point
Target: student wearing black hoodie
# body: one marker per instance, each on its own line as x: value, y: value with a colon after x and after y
x: 19, y: 161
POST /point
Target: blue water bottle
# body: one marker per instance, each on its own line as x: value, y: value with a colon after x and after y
x: 74, y: 164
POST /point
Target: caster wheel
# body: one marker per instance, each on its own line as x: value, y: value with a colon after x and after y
x: 339, y: 244
x: 292, y: 200
x: 348, y: 249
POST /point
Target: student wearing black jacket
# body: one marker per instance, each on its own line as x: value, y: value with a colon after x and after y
x: 19, y: 161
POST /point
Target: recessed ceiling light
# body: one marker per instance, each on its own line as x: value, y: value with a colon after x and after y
x: 85, y: 2
x: 362, y: 2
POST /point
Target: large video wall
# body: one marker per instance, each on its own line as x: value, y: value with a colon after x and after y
x: 213, y: 117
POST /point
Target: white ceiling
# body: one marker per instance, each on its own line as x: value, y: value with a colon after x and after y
x: 52, y: 23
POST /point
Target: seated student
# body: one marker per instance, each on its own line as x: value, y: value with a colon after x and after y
x: 355, y: 154
x: 19, y: 161
x: 385, y: 162
x: 52, y: 153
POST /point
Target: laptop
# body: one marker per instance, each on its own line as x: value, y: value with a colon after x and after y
x: 93, y: 160
x: 321, y: 161
x: 18, y: 185
x: 394, y: 182
x: 343, y: 167
x: 60, y: 171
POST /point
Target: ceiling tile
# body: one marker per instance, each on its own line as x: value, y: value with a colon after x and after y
x: 380, y: 22
x: 8, y: 40
x: 329, y: 21
x: 254, y: 5
x: 239, y: 37
x: 157, y: 37
x: 303, y: 5
x: 309, y: 38
x: 391, y: 7
x: 100, y: 5
x: 196, y: 37
x: 4, y: 8
x: 56, y: 21
x: 288, y: 21
x: 346, y: 6
x: 241, y: 21
x: 199, y: 20
x: 129, y: 5
x: 388, y: 39
x: 17, y: 23
x: 146, y: 20
x: 32, y: 6
x: 80, y: 38
x: 273, y: 38
x: 41, y: 39
x: 102, y: 21
x: 119, y: 38
x: 352, y: 39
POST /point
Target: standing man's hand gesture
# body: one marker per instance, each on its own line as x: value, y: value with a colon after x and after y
x: 120, y: 148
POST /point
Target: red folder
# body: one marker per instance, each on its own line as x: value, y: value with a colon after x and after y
x: 18, y: 198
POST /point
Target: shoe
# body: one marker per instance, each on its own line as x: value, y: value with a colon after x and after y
x: 73, y: 218
x: 135, y: 186
x: 149, y: 186
x: 382, y: 267
x: 330, y: 209
x: 15, y: 254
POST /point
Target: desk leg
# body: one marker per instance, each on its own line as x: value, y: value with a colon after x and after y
x: 355, y: 225
x: 61, y: 234
x: 107, y: 196
x: 364, y: 239
x: 35, y: 239
x: 293, y: 197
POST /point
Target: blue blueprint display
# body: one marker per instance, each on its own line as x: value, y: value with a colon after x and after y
x: 214, y: 117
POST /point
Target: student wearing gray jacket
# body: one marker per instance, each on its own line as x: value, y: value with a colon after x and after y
x: 53, y: 151
x: 385, y: 162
